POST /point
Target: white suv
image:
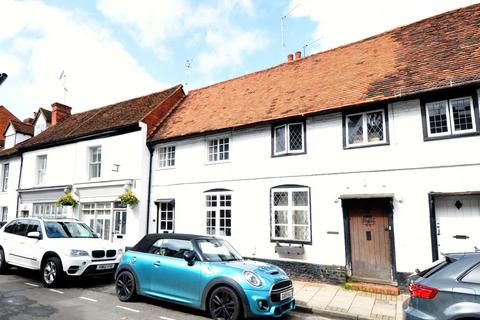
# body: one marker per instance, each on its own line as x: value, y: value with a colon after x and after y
x: 56, y: 247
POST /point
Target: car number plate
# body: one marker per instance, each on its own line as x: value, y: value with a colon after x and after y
x: 105, y: 266
x: 286, y: 294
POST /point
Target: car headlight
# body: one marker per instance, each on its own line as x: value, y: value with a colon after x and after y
x: 78, y: 253
x: 252, y: 279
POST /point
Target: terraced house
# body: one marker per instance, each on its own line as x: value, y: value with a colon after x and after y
x: 96, y: 156
x: 361, y: 161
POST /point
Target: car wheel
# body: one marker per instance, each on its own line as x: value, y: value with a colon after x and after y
x: 224, y: 304
x: 3, y: 263
x: 125, y: 286
x: 52, y: 272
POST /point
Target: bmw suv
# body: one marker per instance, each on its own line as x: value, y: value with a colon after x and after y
x: 56, y: 247
x: 203, y: 272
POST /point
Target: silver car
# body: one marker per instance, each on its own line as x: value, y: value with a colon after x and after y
x: 449, y: 289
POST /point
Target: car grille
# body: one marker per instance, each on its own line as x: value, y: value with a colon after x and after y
x: 278, y: 288
x: 111, y: 253
x: 97, y: 254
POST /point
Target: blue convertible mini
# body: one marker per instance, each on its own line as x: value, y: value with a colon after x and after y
x: 205, y: 273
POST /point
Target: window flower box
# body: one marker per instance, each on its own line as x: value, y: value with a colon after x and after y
x: 298, y: 250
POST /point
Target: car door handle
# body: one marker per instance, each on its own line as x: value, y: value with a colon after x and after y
x: 157, y: 263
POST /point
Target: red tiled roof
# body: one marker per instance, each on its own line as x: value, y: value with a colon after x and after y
x: 22, y: 127
x: 107, y: 118
x: 436, y: 52
x: 5, y: 118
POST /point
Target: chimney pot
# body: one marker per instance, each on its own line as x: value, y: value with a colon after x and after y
x: 290, y: 57
x: 60, y: 112
x: 298, y: 55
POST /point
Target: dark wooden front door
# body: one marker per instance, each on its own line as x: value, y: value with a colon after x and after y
x: 370, y: 240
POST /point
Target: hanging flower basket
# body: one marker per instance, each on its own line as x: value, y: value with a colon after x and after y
x: 129, y: 198
x: 67, y: 200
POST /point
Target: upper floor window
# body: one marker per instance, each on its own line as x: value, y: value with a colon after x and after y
x: 448, y: 117
x: 288, y: 138
x: 41, y: 169
x: 95, y: 165
x: 219, y: 213
x: 166, y: 157
x: 365, y: 128
x: 290, y: 215
x: 5, y: 173
x: 218, y: 149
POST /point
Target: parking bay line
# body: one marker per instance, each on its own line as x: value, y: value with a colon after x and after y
x: 32, y: 285
x: 56, y: 291
x: 165, y: 318
x: 88, y: 299
x: 128, y: 309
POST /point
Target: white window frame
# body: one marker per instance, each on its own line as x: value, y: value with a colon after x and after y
x: 217, y: 210
x: 165, y: 162
x: 5, y: 174
x: 92, y: 163
x: 289, y: 208
x: 4, y: 213
x: 207, y: 148
x: 48, y: 210
x: 365, y: 129
x: 450, y: 120
x: 287, y: 139
x: 166, y: 220
x: 41, y: 171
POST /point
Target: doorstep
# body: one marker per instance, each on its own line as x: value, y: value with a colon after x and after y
x: 335, y: 301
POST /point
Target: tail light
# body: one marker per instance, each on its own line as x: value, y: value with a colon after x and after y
x: 423, y: 292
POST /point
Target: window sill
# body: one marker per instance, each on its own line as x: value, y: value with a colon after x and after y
x: 370, y: 145
x: 288, y: 154
x: 451, y: 136
x: 279, y: 242
x: 164, y: 168
x: 216, y: 162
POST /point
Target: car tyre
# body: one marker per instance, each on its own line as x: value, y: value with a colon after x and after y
x: 125, y: 286
x: 52, y: 272
x: 3, y: 263
x: 224, y: 303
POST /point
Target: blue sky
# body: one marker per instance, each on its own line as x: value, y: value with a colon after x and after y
x: 113, y: 50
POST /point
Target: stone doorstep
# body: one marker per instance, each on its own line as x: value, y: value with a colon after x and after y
x: 373, y: 288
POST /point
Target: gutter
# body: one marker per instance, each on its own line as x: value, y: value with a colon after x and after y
x: 149, y: 196
x: 19, y: 184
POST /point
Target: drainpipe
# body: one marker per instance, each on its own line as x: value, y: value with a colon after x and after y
x: 150, y: 149
x: 19, y: 184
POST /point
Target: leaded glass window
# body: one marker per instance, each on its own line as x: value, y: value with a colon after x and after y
x: 289, y: 138
x: 365, y: 128
x: 291, y: 214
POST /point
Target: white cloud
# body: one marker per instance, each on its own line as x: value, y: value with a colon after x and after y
x: 154, y: 23
x: 47, y: 40
x: 344, y: 21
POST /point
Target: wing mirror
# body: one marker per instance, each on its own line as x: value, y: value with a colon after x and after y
x: 34, y: 235
x: 189, y: 256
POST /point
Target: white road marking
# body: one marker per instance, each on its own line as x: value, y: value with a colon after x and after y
x: 128, y: 309
x: 32, y: 285
x: 56, y: 291
x: 165, y: 318
x: 88, y: 299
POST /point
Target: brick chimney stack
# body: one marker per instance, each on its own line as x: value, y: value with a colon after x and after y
x: 28, y: 121
x: 290, y: 57
x: 60, y: 112
x: 298, y: 55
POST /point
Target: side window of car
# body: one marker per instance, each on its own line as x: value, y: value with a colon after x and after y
x: 21, y: 227
x: 10, y: 228
x: 473, y: 276
x: 155, y: 248
x: 33, y: 226
x: 171, y: 247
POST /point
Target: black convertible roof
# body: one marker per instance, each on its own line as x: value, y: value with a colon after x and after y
x: 147, y: 241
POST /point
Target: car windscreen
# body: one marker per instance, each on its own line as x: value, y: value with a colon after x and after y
x: 217, y: 250
x: 60, y: 229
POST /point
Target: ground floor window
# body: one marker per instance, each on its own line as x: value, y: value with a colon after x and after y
x: 105, y: 218
x: 4, y: 212
x: 219, y: 213
x: 166, y: 216
x: 48, y: 210
x: 290, y: 215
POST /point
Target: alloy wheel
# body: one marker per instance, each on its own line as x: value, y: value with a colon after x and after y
x: 223, y: 305
x: 50, y: 272
x: 125, y: 286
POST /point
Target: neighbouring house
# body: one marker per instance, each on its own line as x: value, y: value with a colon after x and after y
x: 94, y: 156
x: 360, y: 161
x: 14, y: 132
x: 5, y: 117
